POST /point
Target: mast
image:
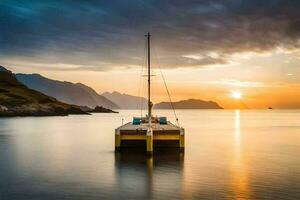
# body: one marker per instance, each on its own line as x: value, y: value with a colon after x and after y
x: 149, y: 77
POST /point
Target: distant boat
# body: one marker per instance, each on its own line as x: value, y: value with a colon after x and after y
x: 270, y: 108
x: 149, y: 131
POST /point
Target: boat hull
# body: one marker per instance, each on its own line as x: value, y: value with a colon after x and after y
x: 149, y: 138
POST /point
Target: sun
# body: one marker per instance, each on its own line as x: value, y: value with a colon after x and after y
x: 236, y: 94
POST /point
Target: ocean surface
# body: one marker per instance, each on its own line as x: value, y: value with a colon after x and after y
x: 230, y: 154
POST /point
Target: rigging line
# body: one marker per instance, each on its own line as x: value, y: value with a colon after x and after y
x: 143, y: 97
x: 139, y: 88
x: 165, y: 83
x: 143, y: 82
x: 140, y: 76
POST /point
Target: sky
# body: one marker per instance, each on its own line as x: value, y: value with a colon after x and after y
x: 240, y: 53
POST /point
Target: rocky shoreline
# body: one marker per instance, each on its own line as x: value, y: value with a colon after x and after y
x: 33, y: 110
x: 101, y: 109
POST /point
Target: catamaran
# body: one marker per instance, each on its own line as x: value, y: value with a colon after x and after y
x: 149, y: 131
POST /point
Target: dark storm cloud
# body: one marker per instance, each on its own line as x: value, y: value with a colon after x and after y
x: 95, y: 32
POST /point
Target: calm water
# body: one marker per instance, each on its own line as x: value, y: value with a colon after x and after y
x: 229, y: 155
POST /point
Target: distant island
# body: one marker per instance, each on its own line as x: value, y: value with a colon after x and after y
x: 188, y: 104
x: 18, y: 100
x: 71, y: 93
x: 126, y: 101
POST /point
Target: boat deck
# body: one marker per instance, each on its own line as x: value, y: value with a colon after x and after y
x: 144, y: 127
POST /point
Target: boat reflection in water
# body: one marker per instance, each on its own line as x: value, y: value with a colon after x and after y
x: 141, y: 176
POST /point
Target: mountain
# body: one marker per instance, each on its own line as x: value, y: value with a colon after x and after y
x: 3, y: 69
x: 126, y: 101
x: 18, y: 100
x: 189, y: 104
x: 72, y: 93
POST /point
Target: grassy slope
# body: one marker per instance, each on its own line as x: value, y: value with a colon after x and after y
x: 21, y: 100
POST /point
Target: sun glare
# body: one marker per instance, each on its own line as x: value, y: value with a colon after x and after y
x: 236, y: 94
